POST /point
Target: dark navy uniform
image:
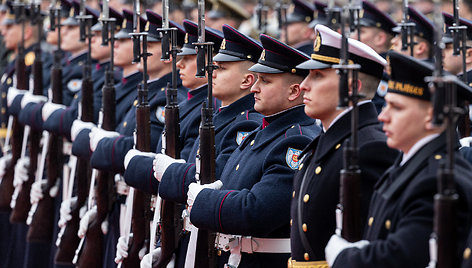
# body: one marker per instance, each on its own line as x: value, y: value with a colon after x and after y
x: 402, y: 208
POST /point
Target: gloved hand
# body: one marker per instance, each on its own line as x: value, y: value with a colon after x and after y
x: 122, y: 248
x: 156, y: 255
x: 65, y: 210
x: 4, y: 162
x: 194, y: 189
x: 79, y: 125
x: 133, y: 152
x: 161, y: 163
x: 97, y: 134
x: 12, y: 93
x: 36, y: 193
x: 21, y: 171
x: 466, y: 142
x: 337, y: 244
x: 30, y: 98
x: 50, y: 108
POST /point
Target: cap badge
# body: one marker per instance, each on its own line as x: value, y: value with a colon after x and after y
x: 186, y: 38
x: 361, y: 13
x: 263, y: 55
x: 223, y: 44
x: 317, y: 43
x: 71, y: 12
x: 124, y: 24
x: 146, y: 28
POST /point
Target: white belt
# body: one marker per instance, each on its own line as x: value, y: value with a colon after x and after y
x: 67, y: 148
x: 251, y: 244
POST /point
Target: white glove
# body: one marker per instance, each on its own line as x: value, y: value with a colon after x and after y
x: 194, y: 189
x: 97, y: 134
x: 86, y: 220
x: 133, y: 152
x: 21, y: 171
x: 156, y: 255
x: 161, y: 163
x: 36, y: 193
x: 50, y: 108
x: 122, y: 249
x: 337, y: 244
x: 12, y: 93
x: 65, y: 210
x: 30, y: 98
x: 466, y: 142
x: 4, y: 162
x: 79, y: 125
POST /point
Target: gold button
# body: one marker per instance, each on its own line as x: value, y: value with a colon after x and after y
x: 237, y: 167
x: 371, y: 220
x: 163, y: 88
x: 125, y: 123
x: 9, y: 81
x: 466, y: 253
x: 291, y: 222
x: 437, y: 157
x: 219, y: 252
x: 292, y: 126
x: 300, y: 167
x: 306, y: 256
x: 4, y: 95
x: 306, y: 198
x: 337, y: 146
x: 388, y: 223
x: 252, y: 142
x: 293, y: 194
x: 135, y: 102
x: 243, y: 112
x: 304, y: 227
x: 318, y: 170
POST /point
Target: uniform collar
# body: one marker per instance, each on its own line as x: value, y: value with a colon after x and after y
x: 417, y: 146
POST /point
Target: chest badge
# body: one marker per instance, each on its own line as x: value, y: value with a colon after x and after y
x: 161, y: 114
x: 291, y: 157
x: 241, y: 136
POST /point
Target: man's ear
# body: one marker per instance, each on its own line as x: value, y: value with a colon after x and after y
x: 359, y: 85
x: 380, y: 39
x: 428, y: 120
x: 295, y: 92
x: 248, y: 80
x: 421, y: 48
x: 468, y: 56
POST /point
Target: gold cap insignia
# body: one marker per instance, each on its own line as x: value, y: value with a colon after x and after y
x: 317, y: 43
x: 223, y: 44
x: 71, y: 12
x: 146, y: 28
x: 307, y: 18
x: 124, y: 24
x: 361, y: 13
x: 29, y: 58
x: 263, y: 55
x: 186, y: 38
x: 378, y: 24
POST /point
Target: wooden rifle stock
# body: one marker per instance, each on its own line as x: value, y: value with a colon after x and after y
x: 6, y: 186
x: 93, y: 251
x: 42, y: 225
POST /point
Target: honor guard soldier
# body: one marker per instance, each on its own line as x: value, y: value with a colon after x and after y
x: 424, y: 36
x: 320, y: 16
x: 231, y: 84
x: 299, y: 34
x: 316, y: 184
x: 376, y: 31
x: 226, y: 12
x: 252, y: 206
x: 400, y: 218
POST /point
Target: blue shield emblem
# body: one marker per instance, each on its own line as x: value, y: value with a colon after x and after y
x: 292, y: 157
x: 382, y: 88
x: 161, y: 114
x: 241, y: 136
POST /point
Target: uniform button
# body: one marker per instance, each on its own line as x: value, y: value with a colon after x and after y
x: 318, y: 170
x: 306, y: 256
x: 291, y: 222
x: 292, y: 126
x: 252, y: 142
x: 135, y: 102
x: 4, y: 95
x: 466, y: 253
x: 125, y: 123
x: 306, y: 198
x: 243, y: 113
x: 293, y: 194
x: 388, y: 223
x: 337, y: 146
x: 371, y: 220
x: 437, y: 157
x: 304, y: 227
x: 237, y: 167
x: 3, y: 111
x: 163, y: 88
x: 9, y: 80
x: 300, y: 167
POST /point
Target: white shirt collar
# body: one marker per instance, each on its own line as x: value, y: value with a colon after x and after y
x: 345, y: 111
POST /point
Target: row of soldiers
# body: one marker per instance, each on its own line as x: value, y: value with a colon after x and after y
x: 278, y: 141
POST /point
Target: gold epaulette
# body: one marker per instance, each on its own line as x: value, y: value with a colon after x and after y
x: 307, y: 264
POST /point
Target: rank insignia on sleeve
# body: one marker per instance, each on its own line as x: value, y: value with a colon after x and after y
x: 161, y: 114
x: 241, y: 136
x: 292, y: 157
x: 74, y: 85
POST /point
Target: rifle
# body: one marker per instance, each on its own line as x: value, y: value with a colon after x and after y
x: 348, y: 216
x: 93, y: 251
x: 6, y: 187
x: 281, y: 10
x: 443, y: 239
x: 354, y: 18
x: 140, y: 205
x: 22, y: 199
x: 169, y: 211
x: 205, y: 255
x: 41, y: 220
x: 407, y: 30
x: 334, y: 15
x: 68, y: 241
